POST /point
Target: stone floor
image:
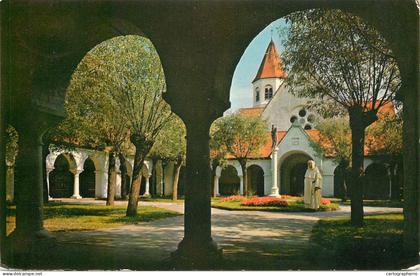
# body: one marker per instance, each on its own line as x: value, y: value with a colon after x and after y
x: 251, y: 240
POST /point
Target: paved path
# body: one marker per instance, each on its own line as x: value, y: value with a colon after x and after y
x: 251, y: 240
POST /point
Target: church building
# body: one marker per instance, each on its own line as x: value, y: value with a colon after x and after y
x: 281, y: 170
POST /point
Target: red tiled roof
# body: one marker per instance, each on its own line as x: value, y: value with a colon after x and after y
x: 271, y: 66
x: 252, y: 111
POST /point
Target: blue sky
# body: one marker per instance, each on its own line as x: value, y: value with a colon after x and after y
x: 241, y: 88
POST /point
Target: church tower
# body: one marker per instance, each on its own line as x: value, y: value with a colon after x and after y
x: 269, y: 77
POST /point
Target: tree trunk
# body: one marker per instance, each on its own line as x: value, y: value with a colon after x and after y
x: 112, y: 177
x: 357, y: 155
x: 178, y: 165
x: 123, y: 169
x: 242, y: 162
x: 135, y: 182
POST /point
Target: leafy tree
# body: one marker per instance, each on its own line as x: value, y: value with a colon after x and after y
x: 335, y: 57
x: 241, y: 136
x: 170, y: 145
x: 119, y: 86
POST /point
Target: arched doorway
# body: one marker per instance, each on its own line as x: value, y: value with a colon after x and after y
x: 340, y: 188
x: 292, y: 174
x: 377, y: 182
x: 255, y: 180
x: 87, y: 179
x: 61, y: 179
x: 229, y: 181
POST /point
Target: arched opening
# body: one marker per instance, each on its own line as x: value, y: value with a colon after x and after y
x: 292, y: 174
x: 377, y: 182
x: 340, y: 174
x: 229, y: 181
x: 61, y: 179
x: 87, y: 179
x: 255, y: 180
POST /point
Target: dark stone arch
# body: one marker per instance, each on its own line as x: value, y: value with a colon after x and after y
x: 88, y: 179
x: 292, y: 173
x: 377, y: 182
x: 61, y: 179
x: 255, y: 180
x: 229, y: 181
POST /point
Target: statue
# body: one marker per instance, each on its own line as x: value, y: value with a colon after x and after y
x: 313, y: 185
x: 273, y: 136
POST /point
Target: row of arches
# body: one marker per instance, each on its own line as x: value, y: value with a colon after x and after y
x: 377, y: 185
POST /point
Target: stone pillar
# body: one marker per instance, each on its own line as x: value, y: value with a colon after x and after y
x: 146, y: 190
x: 29, y: 234
x: 197, y: 250
x: 76, y: 190
x: 216, y: 185
x: 241, y: 185
x: 47, y: 176
x: 274, y: 188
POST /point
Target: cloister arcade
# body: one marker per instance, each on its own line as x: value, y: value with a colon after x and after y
x: 199, y: 44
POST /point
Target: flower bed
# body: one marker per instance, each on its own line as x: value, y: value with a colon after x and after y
x: 286, y: 203
x: 265, y: 201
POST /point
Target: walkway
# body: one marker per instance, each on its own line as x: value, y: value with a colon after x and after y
x: 251, y: 240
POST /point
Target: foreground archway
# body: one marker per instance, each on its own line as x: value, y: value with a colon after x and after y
x: 210, y: 48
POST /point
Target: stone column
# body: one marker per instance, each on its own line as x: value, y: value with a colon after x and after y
x: 197, y: 249
x: 216, y: 185
x: 29, y: 234
x: 241, y: 185
x: 274, y: 188
x: 76, y: 190
x: 146, y: 190
x: 47, y: 175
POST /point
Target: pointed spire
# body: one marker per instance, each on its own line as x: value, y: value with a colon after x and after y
x: 271, y: 66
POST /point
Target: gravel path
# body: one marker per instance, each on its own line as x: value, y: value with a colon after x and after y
x: 251, y: 240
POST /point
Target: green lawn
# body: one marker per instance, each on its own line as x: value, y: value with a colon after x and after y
x: 294, y: 206
x: 336, y: 244
x: 70, y: 217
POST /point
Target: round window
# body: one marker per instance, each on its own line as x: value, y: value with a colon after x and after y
x: 308, y: 127
x: 302, y: 113
x: 302, y: 121
x: 293, y: 119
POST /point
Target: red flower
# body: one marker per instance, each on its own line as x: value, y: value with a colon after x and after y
x: 265, y: 201
x: 325, y: 201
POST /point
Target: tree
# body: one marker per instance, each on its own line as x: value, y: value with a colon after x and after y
x: 124, y: 78
x: 335, y: 57
x: 241, y: 136
x: 170, y: 145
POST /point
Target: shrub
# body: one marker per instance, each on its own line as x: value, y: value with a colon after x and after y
x: 265, y: 201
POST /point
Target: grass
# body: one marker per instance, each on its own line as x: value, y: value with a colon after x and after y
x: 294, y: 206
x: 76, y: 217
x: 377, y: 245
x: 379, y: 203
